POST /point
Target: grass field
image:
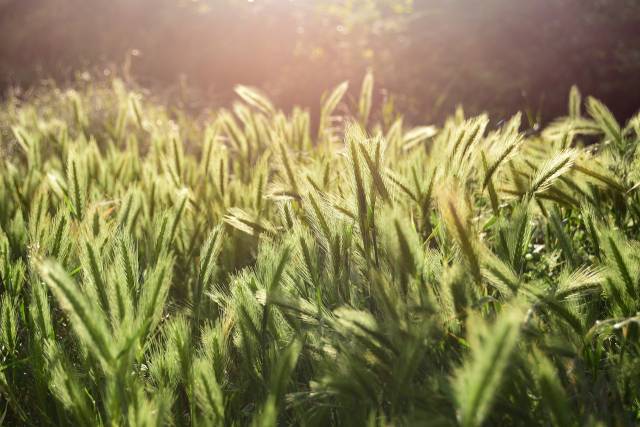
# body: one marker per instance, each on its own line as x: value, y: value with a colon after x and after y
x: 254, y: 266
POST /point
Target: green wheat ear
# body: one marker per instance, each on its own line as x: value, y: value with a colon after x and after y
x: 253, y: 97
x: 605, y: 119
x: 329, y: 104
x: 366, y: 95
x: 477, y: 383
x: 551, y: 390
x: 87, y: 318
x: 550, y: 171
x: 208, y: 393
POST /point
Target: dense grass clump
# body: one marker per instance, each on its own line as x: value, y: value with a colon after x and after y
x: 253, y: 267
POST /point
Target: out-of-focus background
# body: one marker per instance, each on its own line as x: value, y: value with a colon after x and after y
x: 427, y: 55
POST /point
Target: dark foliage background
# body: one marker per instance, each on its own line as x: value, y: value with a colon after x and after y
x: 495, y: 55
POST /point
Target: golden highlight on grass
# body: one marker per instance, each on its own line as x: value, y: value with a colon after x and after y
x: 253, y: 266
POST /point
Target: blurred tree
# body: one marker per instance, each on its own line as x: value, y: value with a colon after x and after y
x: 497, y: 55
